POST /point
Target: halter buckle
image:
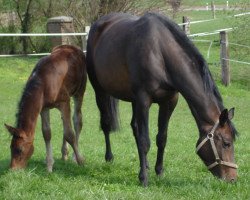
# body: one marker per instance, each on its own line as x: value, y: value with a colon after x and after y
x: 210, y: 135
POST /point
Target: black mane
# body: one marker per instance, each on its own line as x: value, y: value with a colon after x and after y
x: 193, y: 52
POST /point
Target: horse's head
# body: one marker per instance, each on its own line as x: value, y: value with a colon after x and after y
x: 21, y: 148
x: 216, y: 148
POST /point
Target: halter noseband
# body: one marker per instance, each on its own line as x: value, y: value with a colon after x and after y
x: 218, y: 161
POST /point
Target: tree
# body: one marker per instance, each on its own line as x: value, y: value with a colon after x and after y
x: 24, y: 14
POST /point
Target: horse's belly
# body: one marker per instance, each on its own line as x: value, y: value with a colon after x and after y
x: 115, y: 82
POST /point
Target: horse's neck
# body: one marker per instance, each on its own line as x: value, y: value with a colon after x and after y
x: 29, y: 112
x: 203, y: 104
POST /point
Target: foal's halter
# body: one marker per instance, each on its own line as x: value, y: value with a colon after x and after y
x: 218, y: 161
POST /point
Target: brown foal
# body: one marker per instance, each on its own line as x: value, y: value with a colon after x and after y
x: 53, y: 81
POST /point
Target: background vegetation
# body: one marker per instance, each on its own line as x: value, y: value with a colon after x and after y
x: 185, y: 175
x: 30, y: 16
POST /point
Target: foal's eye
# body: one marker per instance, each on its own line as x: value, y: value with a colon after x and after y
x: 17, y: 151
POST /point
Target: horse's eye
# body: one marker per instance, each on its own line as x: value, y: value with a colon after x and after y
x: 226, y: 144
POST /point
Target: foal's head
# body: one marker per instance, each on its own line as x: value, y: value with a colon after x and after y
x: 216, y: 148
x: 21, y: 147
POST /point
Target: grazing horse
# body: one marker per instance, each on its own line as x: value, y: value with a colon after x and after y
x: 53, y: 81
x: 149, y: 59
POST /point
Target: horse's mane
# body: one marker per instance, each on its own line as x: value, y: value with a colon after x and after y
x: 193, y: 52
x: 32, y: 84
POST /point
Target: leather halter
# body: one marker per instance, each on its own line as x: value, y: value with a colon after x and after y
x: 218, y: 161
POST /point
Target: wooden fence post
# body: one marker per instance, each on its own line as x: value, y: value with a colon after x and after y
x: 61, y: 24
x: 213, y: 8
x: 186, y: 24
x: 224, y: 57
x: 85, y: 38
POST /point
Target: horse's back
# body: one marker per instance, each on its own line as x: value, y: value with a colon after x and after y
x: 125, y: 53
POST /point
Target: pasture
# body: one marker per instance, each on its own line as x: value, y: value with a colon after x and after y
x: 185, y: 176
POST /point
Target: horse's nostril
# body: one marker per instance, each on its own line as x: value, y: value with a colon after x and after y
x: 233, y: 180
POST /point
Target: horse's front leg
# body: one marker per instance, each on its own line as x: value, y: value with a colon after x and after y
x: 143, y: 103
x: 47, y: 137
x: 134, y: 126
x: 165, y: 111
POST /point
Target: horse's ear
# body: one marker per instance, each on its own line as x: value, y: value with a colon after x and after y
x: 223, y: 117
x: 13, y: 131
x: 231, y: 114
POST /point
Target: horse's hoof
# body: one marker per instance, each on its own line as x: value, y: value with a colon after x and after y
x: 143, y: 179
x: 144, y: 183
x: 109, y: 157
x: 159, y: 171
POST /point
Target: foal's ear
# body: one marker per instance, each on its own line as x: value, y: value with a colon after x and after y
x: 13, y: 131
x: 231, y: 114
x: 223, y: 117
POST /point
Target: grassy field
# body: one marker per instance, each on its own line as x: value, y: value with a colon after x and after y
x: 185, y: 175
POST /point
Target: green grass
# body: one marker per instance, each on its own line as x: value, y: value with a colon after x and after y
x: 185, y: 175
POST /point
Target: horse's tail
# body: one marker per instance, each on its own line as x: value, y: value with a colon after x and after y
x: 112, y: 114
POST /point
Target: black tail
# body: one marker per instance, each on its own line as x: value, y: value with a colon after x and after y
x: 113, y: 113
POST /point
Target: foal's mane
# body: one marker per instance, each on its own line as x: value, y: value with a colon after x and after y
x: 32, y: 85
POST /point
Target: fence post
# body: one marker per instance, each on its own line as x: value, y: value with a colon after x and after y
x: 186, y: 24
x: 61, y: 24
x: 213, y: 8
x: 85, y: 38
x: 224, y: 56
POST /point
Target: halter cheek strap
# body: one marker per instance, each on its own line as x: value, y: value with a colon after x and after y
x: 218, y: 161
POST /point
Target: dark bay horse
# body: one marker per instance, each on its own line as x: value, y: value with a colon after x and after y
x: 54, y: 80
x: 147, y: 60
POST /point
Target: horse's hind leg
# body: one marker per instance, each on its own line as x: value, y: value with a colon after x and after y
x: 165, y: 111
x: 47, y: 137
x: 69, y: 135
x: 108, y: 119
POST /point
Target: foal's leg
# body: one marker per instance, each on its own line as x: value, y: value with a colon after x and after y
x: 165, y: 111
x: 143, y: 103
x: 77, y: 117
x: 69, y: 135
x: 47, y: 137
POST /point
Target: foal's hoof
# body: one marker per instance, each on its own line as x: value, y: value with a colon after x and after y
x: 80, y: 160
x: 50, y: 169
x: 64, y: 157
